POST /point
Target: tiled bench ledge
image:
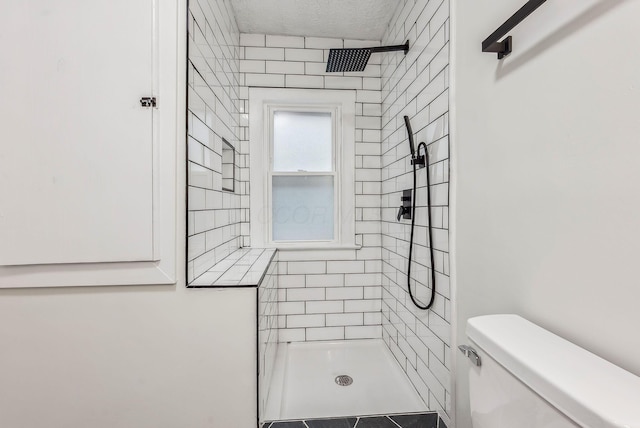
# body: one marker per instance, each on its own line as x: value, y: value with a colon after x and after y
x: 245, y: 267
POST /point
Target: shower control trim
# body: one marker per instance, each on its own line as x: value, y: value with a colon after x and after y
x: 405, y: 209
x: 471, y: 353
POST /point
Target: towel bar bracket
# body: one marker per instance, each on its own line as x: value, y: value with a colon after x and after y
x: 502, y: 48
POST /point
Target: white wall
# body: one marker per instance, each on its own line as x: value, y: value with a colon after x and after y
x: 157, y: 356
x: 143, y: 356
x: 417, y: 85
x: 547, y: 174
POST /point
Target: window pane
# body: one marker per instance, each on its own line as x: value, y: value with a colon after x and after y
x: 301, y: 141
x: 302, y: 208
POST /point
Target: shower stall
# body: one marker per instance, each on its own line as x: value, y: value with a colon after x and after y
x: 339, y: 334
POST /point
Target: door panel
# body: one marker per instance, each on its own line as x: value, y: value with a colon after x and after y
x: 76, y: 147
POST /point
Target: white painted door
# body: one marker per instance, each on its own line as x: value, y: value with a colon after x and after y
x: 76, y: 147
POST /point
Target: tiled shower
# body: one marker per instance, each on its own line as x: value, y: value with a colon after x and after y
x: 417, y: 86
x: 338, y: 294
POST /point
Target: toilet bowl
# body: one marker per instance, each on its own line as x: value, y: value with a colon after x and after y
x: 522, y: 376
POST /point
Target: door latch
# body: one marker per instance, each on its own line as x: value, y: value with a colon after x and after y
x: 148, y: 102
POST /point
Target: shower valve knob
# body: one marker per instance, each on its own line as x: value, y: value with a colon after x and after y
x: 401, y: 212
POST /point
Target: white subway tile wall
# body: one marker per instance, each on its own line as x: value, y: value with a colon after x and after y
x: 417, y: 85
x: 325, y: 295
x: 267, y: 331
x: 214, y: 216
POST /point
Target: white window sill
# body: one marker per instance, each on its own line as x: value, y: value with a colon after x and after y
x: 311, y: 247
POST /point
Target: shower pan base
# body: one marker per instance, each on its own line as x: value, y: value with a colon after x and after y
x: 307, y: 383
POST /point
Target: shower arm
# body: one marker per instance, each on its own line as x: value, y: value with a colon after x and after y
x: 394, y: 48
x: 356, y: 59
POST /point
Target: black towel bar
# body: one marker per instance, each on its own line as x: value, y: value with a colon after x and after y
x: 503, y: 48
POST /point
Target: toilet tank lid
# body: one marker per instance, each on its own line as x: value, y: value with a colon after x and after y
x: 588, y: 389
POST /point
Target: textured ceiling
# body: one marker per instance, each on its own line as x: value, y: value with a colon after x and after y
x: 348, y: 19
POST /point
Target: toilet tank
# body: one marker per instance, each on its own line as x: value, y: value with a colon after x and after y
x: 530, y: 378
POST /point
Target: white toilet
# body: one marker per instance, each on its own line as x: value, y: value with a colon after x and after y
x: 528, y: 377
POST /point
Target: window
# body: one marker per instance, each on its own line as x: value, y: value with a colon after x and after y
x: 302, y: 174
x: 302, y: 168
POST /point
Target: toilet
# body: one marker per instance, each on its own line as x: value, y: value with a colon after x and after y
x: 523, y: 376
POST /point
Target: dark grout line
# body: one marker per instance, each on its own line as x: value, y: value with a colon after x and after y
x: 358, y: 418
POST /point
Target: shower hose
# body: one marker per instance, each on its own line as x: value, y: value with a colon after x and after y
x: 413, y: 223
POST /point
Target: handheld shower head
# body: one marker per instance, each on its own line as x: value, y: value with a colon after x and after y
x: 410, y: 132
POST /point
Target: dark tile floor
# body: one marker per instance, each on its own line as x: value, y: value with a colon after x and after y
x: 416, y: 420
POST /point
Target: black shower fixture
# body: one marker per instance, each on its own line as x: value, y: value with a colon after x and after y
x: 412, y: 147
x: 408, y: 211
x: 503, y: 48
x: 356, y: 59
x: 405, y: 210
x: 416, y: 159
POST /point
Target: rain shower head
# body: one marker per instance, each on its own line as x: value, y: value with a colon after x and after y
x: 356, y: 59
x: 410, y: 132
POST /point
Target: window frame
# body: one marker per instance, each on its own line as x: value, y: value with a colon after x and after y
x: 335, y: 112
x: 263, y: 103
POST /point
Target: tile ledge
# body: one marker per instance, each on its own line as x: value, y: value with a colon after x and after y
x: 240, y: 261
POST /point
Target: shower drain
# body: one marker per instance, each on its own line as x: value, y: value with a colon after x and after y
x: 344, y: 380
